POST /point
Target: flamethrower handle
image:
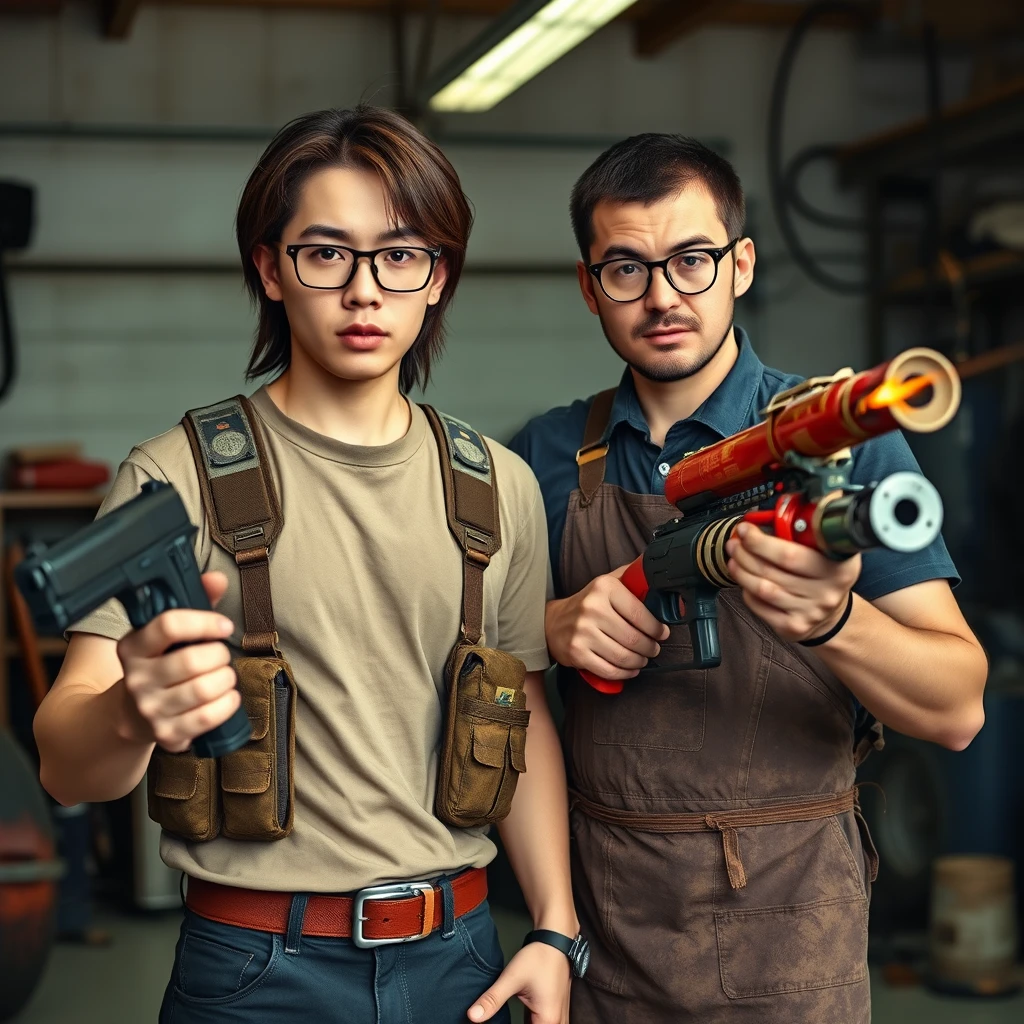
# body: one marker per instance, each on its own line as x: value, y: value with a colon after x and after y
x: 695, y: 605
x: 634, y: 580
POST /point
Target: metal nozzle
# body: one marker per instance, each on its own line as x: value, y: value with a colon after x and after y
x: 932, y: 408
x: 905, y: 512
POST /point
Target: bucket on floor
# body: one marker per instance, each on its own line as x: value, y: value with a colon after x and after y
x: 973, y: 935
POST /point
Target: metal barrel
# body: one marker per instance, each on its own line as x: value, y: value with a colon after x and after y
x: 821, y: 422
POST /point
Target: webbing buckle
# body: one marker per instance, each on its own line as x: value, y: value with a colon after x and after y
x: 591, y: 452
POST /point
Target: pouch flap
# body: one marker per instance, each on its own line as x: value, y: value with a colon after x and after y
x: 177, y: 775
x: 489, y: 746
x: 245, y: 771
x: 517, y: 748
x: 258, y: 710
x: 489, y: 674
x: 502, y: 668
x: 256, y: 684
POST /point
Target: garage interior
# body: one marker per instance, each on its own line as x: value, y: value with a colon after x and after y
x: 881, y: 147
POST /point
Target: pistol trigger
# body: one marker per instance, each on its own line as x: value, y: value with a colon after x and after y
x: 665, y: 606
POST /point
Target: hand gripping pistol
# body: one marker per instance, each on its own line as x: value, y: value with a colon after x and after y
x: 140, y: 554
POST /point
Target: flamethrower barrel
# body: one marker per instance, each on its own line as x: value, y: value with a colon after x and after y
x: 902, y: 512
x: 821, y: 423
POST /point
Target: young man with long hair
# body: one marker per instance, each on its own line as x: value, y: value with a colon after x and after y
x: 352, y: 231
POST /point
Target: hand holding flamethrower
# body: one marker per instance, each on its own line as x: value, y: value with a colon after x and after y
x: 790, y: 475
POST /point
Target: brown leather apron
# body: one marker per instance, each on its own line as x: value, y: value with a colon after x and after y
x: 719, y: 865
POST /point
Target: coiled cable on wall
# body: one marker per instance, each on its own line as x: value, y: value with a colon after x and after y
x: 783, y: 181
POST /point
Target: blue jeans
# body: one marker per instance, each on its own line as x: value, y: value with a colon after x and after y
x: 223, y: 975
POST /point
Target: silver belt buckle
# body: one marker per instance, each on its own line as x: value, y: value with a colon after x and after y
x: 393, y: 891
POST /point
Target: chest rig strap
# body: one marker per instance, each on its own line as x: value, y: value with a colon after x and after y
x: 241, y: 506
x: 592, y: 455
x: 471, y: 504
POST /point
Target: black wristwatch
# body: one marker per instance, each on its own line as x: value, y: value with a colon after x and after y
x: 577, y: 950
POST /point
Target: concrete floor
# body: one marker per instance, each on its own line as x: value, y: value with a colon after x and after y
x: 125, y: 981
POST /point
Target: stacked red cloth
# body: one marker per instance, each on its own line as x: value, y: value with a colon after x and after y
x: 55, y: 467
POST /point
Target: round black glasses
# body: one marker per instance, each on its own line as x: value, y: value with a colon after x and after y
x: 690, y: 272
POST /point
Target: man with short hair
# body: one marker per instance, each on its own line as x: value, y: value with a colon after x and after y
x: 715, y: 922
x: 352, y: 901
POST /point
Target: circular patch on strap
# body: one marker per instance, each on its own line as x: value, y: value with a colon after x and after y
x: 229, y: 444
x: 470, y: 452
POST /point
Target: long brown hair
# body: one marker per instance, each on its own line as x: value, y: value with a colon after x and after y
x: 421, y: 189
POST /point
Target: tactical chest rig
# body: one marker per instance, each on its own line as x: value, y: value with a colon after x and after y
x: 250, y: 793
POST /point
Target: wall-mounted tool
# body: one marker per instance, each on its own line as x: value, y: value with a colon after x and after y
x: 17, y: 204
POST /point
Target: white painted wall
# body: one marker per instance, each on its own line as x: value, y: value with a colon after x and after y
x: 112, y: 359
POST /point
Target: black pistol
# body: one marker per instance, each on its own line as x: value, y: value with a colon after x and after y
x: 141, y: 554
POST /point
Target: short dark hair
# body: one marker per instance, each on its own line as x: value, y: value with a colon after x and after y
x: 421, y: 189
x: 646, y: 168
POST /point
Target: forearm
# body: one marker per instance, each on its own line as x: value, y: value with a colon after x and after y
x: 920, y: 682
x: 91, y: 744
x: 536, y: 832
x: 553, y: 611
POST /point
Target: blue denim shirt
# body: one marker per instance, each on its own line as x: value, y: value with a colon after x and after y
x: 549, y: 444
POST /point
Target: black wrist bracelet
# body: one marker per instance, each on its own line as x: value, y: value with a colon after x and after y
x: 825, y: 637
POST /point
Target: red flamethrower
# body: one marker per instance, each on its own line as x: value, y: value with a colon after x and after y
x: 790, y: 474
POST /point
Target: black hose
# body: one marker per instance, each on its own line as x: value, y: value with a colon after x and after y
x: 782, y: 181
x: 791, y: 184
x: 8, y: 359
x: 932, y: 236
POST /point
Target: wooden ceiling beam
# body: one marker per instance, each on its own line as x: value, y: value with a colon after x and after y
x: 670, y: 20
x: 30, y: 6
x: 784, y: 13
x: 116, y: 17
x: 658, y: 27
x: 485, y: 8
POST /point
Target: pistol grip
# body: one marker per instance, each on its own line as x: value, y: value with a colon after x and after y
x: 701, y: 616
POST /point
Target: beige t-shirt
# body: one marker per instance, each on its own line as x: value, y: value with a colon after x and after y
x: 366, y: 582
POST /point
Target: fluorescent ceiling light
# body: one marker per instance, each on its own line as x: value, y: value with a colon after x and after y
x: 518, y: 46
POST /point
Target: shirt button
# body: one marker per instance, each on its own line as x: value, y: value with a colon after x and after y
x: 664, y: 468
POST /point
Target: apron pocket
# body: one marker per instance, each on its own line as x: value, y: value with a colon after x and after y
x: 659, y: 711
x: 773, y: 950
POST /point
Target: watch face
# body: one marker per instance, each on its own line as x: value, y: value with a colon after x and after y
x: 579, y: 956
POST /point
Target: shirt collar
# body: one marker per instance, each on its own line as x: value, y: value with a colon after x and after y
x: 726, y: 410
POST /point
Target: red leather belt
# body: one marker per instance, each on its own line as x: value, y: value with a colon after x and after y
x: 381, y: 914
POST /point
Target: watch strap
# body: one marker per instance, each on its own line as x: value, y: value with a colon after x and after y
x: 561, y: 942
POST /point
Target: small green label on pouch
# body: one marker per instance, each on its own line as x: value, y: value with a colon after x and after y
x: 505, y: 696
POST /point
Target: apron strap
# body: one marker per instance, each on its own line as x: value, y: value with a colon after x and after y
x: 591, y: 456
x: 725, y: 822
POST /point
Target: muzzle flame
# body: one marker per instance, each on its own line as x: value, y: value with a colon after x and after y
x: 892, y: 391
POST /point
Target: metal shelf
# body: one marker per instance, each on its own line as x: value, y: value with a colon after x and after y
x: 987, y: 128
x: 42, y: 499
x: 988, y: 270
x: 49, y: 646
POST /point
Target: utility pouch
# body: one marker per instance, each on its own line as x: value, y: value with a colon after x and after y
x: 248, y: 794
x: 257, y: 782
x: 483, y: 748
x: 183, y: 794
x: 483, y: 740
